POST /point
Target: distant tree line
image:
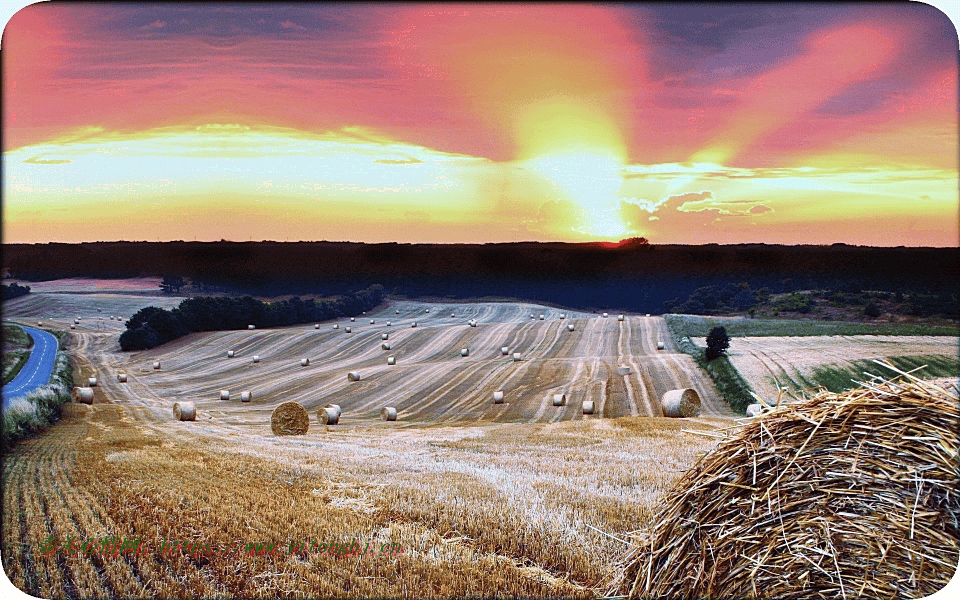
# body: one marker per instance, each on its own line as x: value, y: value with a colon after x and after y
x: 14, y: 291
x: 152, y: 326
x: 627, y: 277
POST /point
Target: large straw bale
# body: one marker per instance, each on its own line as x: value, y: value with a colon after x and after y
x: 353, y: 376
x: 335, y: 407
x: 570, y: 327
x: 680, y: 403
x: 122, y: 377
x: 559, y: 399
x: 156, y: 365
x: 83, y: 395
x: 588, y: 407
x: 304, y: 362
x: 185, y: 411
x: 246, y: 396
x: 388, y: 413
x: 289, y: 419
x: 92, y: 381
x: 842, y: 495
x: 328, y: 416
x: 498, y: 397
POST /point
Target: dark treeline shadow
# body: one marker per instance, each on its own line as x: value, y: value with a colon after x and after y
x: 633, y: 277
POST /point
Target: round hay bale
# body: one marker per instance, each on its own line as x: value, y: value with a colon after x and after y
x: 317, y: 326
x: 92, y: 381
x: 73, y: 327
x: 348, y: 329
x: 121, y: 377
x: 76, y: 321
x: 414, y: 324
x: 428, y: 310
x: 337, y: 326
x: 353, y: 320
x: 389, y: 324
x: 304, y: 362
x: 335, y: 407
x: 391, y: 360
x: 660, y: 346
x: 505, y: 351
x: 681, y: 403
x: 498, y: 397
x: 516, y: 357
x: 256, y: 358
x: 385, y: 346
x: 648, y: 314
x: 372, y: 321
x: 388, y: 413
x: 230, y: 353
x: 185, y: 411
x: 541, y: 317
x: 364, y: 312
x: 353, y: 376
x: 83, y: 395
x: 473, y: 323
x: 588, y: 407
x: 224, y: 394
x: 328, y: 416
x: 246, y: 396
x: 559, y: 399
x: 570, y: 327
x: 39, y: 323
x: 289, y: 419
x: 861, y: 483
x: 251, y: 326
x: 398, y: 311
x: 384, y: 336
x: 605, y: 315
x: 156, y: 365
x: 563, y: 315
x: 619, y: 317
x: 754, y: 409
x: 465, y: 352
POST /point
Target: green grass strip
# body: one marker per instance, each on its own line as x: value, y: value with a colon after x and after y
x: 732, y: 387
x: 17, y: 366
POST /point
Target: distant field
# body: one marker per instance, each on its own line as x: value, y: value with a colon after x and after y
x: 137, y: 284
x: 699, y: 326
x: 58, y: 310
x: 798, y: 363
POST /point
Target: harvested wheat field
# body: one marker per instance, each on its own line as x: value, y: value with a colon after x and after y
x: 769, y: 363
x: 845, y: 495
x: 481, y: 499
x: 460, y: 496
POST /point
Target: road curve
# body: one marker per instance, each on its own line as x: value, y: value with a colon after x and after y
x: 38, y: 369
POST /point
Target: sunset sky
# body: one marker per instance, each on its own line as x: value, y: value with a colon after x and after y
x: 682, y: 123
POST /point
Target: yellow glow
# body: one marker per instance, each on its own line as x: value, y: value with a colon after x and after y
x: 592, y: 181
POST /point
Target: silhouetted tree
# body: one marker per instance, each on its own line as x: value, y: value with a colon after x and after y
x: 717, y: 342
x: 171, y: 284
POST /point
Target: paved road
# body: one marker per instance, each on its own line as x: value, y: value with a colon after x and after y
x: 39, y: 366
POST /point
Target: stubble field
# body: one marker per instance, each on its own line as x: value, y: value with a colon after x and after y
x: 485, y: 499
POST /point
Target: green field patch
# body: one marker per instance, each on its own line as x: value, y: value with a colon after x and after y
x: 840, y: 377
